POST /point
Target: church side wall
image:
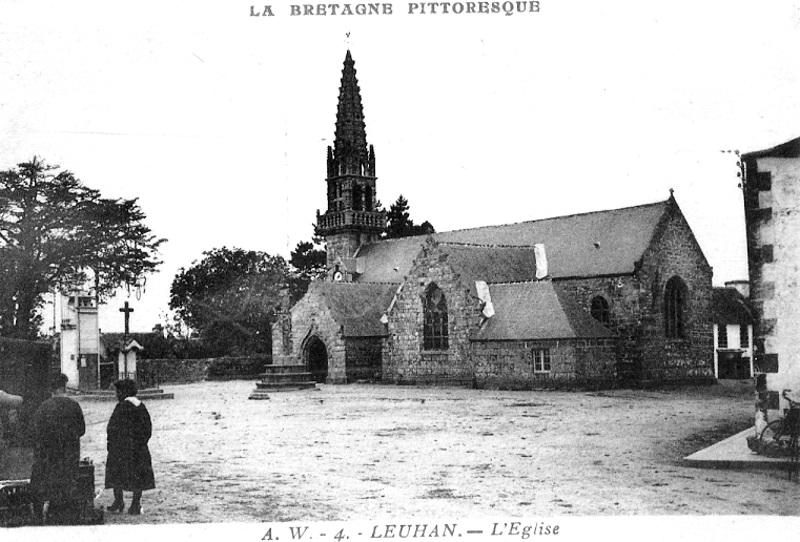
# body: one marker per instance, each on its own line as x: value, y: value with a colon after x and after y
x: 574, y: 364
x: 405, y: 360
x: 363, y: 355
x: 623, y: 297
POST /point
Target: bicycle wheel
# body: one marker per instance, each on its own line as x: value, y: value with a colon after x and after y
x: 773, y: 442
x: 773, y: 431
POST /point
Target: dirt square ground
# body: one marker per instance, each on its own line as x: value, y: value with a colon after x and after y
x: 345, y: 453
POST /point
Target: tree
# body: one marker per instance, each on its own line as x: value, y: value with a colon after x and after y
x: 400, y: 223
x: 308, y: 263
x: 230, y: 297
x: 57, y: 233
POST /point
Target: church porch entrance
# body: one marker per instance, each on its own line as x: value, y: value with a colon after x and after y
x: 315, y: 357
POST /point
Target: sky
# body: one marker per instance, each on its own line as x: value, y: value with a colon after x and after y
x: 218, y: 121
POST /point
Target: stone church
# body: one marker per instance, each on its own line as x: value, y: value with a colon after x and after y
x: 599, y: 299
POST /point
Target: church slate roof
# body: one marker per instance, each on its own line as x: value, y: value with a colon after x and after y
x: 357, y: 307
x: 390, y: 260
x: 537, y: 311
x: 491, y: 264
x: 730, y: 307
x: 581, y: 245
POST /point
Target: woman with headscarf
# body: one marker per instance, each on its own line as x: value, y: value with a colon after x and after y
x: 129, y: 466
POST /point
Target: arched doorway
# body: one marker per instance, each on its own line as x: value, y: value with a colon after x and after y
x: 315, y: 356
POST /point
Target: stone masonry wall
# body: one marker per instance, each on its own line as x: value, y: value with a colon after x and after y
x: 675, y: 252
x: 341, y: 245
x: 363, y: 355
x: 405, y: 361
x: 345, y: 244
x: 574, y: 364
x: 636, y: 305
x: 623, y: 297
x: 311, y: 316
x: 182, y: 371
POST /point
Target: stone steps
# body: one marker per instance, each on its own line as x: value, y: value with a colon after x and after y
x: 270, y: 370
x: 282, y: 378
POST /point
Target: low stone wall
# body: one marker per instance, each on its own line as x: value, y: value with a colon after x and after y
x: 184, y: 371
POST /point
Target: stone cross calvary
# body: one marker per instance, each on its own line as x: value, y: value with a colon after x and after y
x: 127, y: 310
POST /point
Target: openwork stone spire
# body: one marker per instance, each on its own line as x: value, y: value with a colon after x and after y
x: 350, y: 154
x: 353, y: 217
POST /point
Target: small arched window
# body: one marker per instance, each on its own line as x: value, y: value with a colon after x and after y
x: 434, y: 330
x: 599, y: 310
x: 674, y: 308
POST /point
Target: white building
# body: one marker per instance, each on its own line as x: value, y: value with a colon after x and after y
x: 80, y: 339
x: 733, y: 331
x: 772, y: 214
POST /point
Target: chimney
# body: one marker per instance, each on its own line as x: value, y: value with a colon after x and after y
x: 541, y: 261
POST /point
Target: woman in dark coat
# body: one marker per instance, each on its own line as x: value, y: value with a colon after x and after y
x: 57, y: 429
x: 129, y: 466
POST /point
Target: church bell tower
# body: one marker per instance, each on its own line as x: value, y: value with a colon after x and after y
x: 352, y: 218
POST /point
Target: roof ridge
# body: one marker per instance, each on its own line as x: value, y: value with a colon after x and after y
x: 480, y: 245
x: 511, y: 282
x: 653, y: 204
x: 395, y: 239
x: 360, y: 283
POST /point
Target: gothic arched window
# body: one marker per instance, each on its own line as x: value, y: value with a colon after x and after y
x: 434, y: 329
x: 674, y: 308
x: 599, y: 310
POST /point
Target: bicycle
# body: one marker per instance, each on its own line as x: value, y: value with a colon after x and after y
x: 780, y: 437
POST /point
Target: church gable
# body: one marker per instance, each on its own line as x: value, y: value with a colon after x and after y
x: 673, y: 231
x: 430, y: 322
x: 673, y: 283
